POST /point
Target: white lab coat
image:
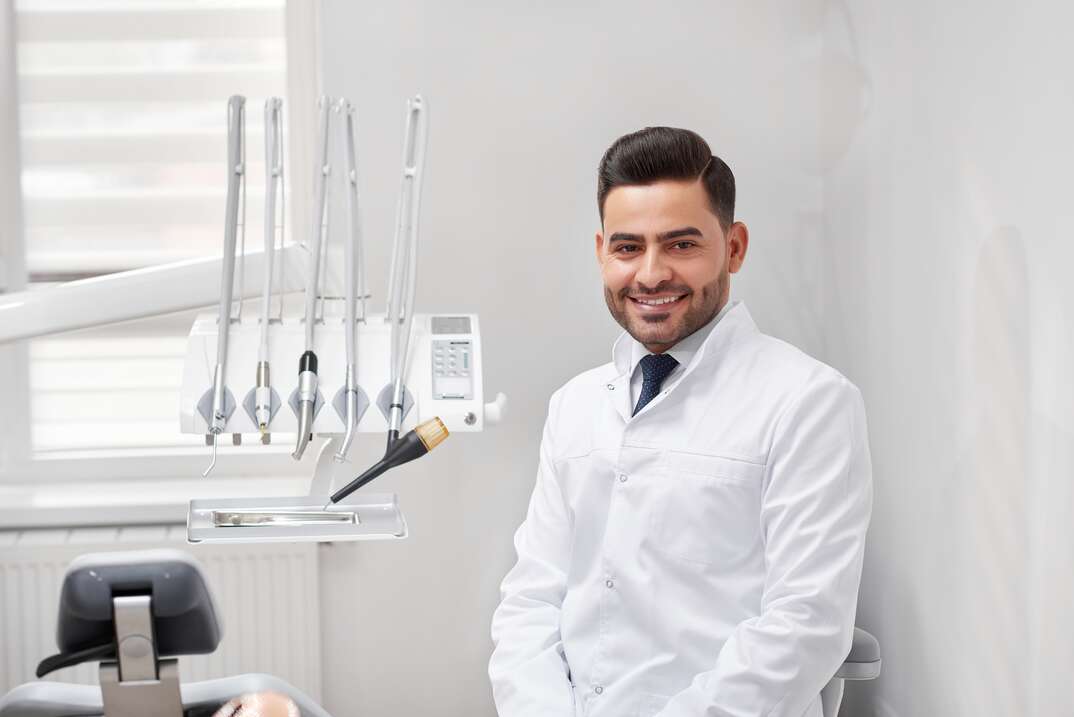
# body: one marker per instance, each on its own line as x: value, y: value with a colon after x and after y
x: 701, y: 558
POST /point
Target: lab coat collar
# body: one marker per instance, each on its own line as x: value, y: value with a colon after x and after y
x: 735, y: 323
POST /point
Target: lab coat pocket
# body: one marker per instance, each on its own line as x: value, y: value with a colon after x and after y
x: 649, y: 705
x: 707, y: 508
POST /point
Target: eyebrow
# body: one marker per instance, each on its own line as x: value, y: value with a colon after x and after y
x: 663, y: 236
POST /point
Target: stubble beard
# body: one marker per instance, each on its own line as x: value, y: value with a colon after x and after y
x: 654, y: 330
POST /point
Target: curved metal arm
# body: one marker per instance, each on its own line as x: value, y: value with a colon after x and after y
x: 353, y: 268
x: 236, y: 109
x: 316, y: 242
x: 403, y: 281
x: 273, y: 173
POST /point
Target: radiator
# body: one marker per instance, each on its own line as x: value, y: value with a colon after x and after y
x: 267, y: 594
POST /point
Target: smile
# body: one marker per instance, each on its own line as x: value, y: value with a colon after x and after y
x: 656, y: 302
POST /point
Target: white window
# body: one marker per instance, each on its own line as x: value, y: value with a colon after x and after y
x: 121, y: 136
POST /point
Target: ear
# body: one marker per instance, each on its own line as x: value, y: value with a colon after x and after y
x: 599, y: 246
x: 738, y: 241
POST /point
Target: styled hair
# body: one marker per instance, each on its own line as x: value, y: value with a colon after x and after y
x: 655, y: 154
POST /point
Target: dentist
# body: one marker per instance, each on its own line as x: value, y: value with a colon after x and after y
x: 693, y: 546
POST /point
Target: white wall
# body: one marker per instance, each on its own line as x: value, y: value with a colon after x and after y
x: 949, y: 220
x: 524, y: 99
x: 902, y: 170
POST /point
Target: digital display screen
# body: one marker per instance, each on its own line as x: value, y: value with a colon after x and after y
x: 451, y: 324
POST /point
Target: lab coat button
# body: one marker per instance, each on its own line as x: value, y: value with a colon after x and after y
x: 609, y: 584
x: 610, y: 387
x: 598, y: 689
x: 622, y: 477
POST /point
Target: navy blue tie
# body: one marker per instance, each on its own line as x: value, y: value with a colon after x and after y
x: 654, y: 369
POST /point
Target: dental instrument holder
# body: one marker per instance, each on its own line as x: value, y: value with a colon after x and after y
x: 441, y: 345
x: 217, y: 404
x: 444, y: 372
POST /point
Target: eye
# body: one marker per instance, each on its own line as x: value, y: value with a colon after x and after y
x: 685, y: 244
x: 625, y: 249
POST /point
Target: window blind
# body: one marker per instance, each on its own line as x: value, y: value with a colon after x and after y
x: 122, y: 109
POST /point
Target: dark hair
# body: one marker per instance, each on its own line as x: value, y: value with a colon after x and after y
x: 661, y: 153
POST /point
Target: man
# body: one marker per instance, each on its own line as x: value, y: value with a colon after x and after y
x: 693, y: 545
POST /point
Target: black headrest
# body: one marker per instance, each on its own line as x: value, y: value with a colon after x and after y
x: 184, y: 616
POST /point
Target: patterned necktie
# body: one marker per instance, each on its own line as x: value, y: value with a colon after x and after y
x: 654, y: 369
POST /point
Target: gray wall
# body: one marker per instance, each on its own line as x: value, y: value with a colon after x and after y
x: 524, y: 98
x: 950, y: 219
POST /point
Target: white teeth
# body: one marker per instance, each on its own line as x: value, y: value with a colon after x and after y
x: 658, y: 302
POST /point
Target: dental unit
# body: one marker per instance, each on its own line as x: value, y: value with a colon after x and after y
x: 429, y: 365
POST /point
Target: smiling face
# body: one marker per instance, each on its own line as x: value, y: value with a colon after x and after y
x: 665, y: 260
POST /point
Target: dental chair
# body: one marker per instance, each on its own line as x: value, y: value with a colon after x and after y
x: 135, y: 612
x: 863, y: 663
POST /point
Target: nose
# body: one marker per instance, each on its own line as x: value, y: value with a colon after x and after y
x: 653, y: 271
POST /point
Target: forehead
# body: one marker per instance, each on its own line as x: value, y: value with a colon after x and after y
x: 661, y: 206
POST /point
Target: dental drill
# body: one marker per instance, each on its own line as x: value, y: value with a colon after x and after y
x: 264, y: 395
x: 306, y: 393
x: 353, y: 275
x: 221, y: 404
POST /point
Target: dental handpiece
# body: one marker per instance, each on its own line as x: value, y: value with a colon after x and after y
x: 414, y: 444
x: 273, y: 175
x: 236, y: 122
x: 236, y: 158
x: 307, y: 398
x: 307, y: 364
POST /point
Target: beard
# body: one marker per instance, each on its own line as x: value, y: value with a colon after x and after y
x: 662, y: 330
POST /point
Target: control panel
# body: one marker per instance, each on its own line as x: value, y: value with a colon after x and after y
x: 452, y: 358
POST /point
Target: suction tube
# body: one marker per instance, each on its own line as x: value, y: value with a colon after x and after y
x: 414, y: 444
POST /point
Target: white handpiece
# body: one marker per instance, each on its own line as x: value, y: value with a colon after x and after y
x: 236, y: 158
x: 273, y: 186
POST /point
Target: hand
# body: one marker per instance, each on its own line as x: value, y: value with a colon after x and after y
x: 262, y: 704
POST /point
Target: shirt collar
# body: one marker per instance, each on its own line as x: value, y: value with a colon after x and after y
x: 683, y: 351
x: 626, y: 353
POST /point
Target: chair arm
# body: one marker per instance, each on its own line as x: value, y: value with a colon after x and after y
x: 863, y: 662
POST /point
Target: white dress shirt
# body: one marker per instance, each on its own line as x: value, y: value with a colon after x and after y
x: 701, y: 558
